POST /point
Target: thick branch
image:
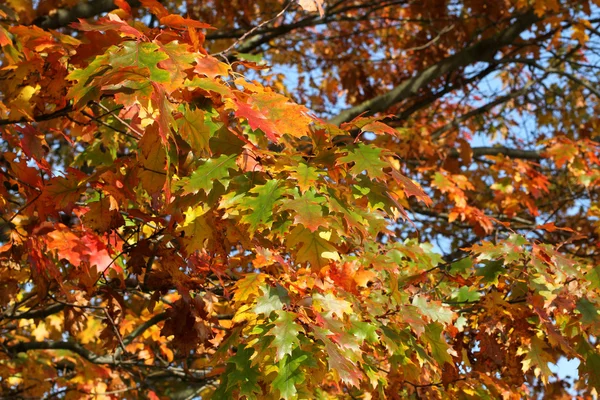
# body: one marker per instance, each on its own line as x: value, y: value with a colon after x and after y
x: 112, y: 359
x: 141, y: 329
x: 194, y: 376
x: 268, y: 34
x: 422, y: 103
x: 481, y: 51
x: 34, y: 314
x: 64, y: 345
x: 512, y: 153
x: 483, y: 109
x: 589, y: 86
x: 40, y: 118
x: 443, y: 215
x: 84, y: 9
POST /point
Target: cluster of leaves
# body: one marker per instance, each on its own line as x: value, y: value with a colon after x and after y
x: 172, y: 228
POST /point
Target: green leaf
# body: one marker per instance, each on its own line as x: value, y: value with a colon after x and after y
x: 215, y: 169
x: 536, y: 357
x: 289, y: 374
x: 261, y: 206
x: 305, y: 175
x: 433, y: 309
x: 594, y: 278
x: 273, y: 299
x: 590, y: 367
x: 244, y: 376
x: 439, y: 348
x: 255, y: 58
x: 365, y: 158
x: 192, y: 128
x: 588, y: 311
x: 491, y: 271
x: 365, y: 331
x: 330, y: 304
x: 376, y: 193
x: 285, y: 334
x: 461, y: 266
x: 140, y: 54
x: 466, y: 294
x: 307, y: 209
x: 83, y: 91
x: 313, y: 247
x: 208, y: 84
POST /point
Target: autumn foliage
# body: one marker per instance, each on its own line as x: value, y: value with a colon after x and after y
x: 174, y: 225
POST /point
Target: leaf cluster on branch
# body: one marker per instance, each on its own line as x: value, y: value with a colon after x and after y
x: 175, y: 224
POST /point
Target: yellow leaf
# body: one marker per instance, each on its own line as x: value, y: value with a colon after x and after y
x: 21, y: 105
x: 40, y: 333
x: 244, y: 314
x: 92, y: 330
x: 312, y: 6
x: 579, y: 32
x: 166, y: 351
x: 196, y: 229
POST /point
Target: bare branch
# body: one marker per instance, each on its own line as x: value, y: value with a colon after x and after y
x: 252, y: 31
x: 481, y: 51
x: 84, y: 9
x: 556, y: 71
x: 111, y: 359
x: 501, y: 150
x: 22, y: 347
x: 40, y: 118
x: 483, y: 109
x: 35, y: 314
x: 139, y: 330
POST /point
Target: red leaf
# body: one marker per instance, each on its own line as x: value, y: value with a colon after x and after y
x: 110, y: 22
x: 123, y: 5
x: 178, y: 22
x: 257, y: 120
x: 155, y: 8
x: 410, y: 188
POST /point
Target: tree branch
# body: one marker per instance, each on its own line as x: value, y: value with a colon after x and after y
x: 512, y: 153
x: 483, y: 109
x: 141, y: 329
x: 34, y: 314
x: 556, y: 71
x: 422, y: 103
x: 85, y: 9
x: 111, y: 359
x: 92, y: 357
x: 40, y: 118
x: 481, y: 51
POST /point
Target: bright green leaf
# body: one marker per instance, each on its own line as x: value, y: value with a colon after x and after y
x: 261, y: 205
x: 285, y: 333
x: 365, y: 158
x: 440, y: 350
x: 273, y: 299
x: 215, y: 169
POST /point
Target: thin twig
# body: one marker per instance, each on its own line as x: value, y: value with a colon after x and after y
x: 40, y: 118
x: 416, y: 385
x: 121, y: 120
x: 251, y: 31
x: 98, y: 120
x: 30, y: 202
x: 112, y: 322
